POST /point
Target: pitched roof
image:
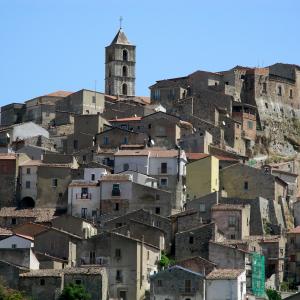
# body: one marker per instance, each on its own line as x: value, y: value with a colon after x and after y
x: 116, y: 177
x: 40, y: 214
x: 151, y: 152
x: 120, y: 38
x: 4, y: 231
x: 59, y: 94
x: 228, y: 207
x: 295, y: 230
x: 6, y: 156
x: 224, y: 274
x: 126, y: 119
x: 58, y: 273
x: 196, y: 156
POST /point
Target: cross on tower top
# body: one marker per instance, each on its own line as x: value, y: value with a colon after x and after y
x: 121, y: 20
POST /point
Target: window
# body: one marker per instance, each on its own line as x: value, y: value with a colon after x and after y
x: 117, y: 206
x: 13, y: 221
x: 242, y: 76
x: 157, y: 210
x: 42, y: 281
x: 125, y: 55
x: 119, y: 275
x: 94, y: 213
x: 291, y: 94
x: 231, y: 221
x: 164, y: 182
x: 83, y: 213
x: 164, y: 168
x: 118, y: 253
x: 54, y: 182
x: 116, y: 190
x: 124, y: 71
x: 292, y: 240
x: 191, y: 239
x: 124, y: 89
x: 94, y: 99
x: 264, y: 87
x: 250, y: 124
x: 202, y: 207
x: 157, y: 197
x: 125, y: 141
x: 125, y: 167
x: 159, y: 283
x: 60, y: 195
x: 156, y: 94
x: 105, y: 140
x: 246, y: 185
x: 14, y: 246
x: 75, y: 144
x: 187, y: 285
x: 27, y: 184
x: 148, y: 255
x: 84, y: 193
x: 93, y: 177
x: 78, y: 281
x: 279, y: 93
x: 232, y: 236
x: 84, y: 158
x: 118, y: 225
x: 92, y: 257
x: 266, y: 105
x: 28, y: 171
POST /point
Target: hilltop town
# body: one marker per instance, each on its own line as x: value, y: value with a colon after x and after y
x: 189, y: 193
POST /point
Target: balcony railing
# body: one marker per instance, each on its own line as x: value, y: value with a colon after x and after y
x: 187, y: 290
x: 162, y: 171
x: 85, y: 196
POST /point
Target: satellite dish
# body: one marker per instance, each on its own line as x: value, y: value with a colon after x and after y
x: 7, y: 135
x: 223, y: 122
x: 152, y: 143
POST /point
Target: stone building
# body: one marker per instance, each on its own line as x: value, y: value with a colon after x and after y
x: 293, y: 246
x: 45, y: 183
x: 243, y: 181
x: 48, y: 283
x: 197, y: 264
x: 12, y: 113
x: 41, y: 110
x: 145, y: 217
x: 120, y: 66
x: 82, y: 102
x: 177, y: 282
x: 11, y: 272
x: 57, y: 243
x: 232, y: 220
x: 129, y: 262
x: 195, y: 241
x: 122, y: 193
x: 114, y: 138
x: 11, y: 217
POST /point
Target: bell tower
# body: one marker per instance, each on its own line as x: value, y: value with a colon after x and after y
x: 120, y: 66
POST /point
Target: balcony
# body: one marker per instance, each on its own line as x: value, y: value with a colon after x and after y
x: 164, y: 171
x: 84, y: 196
x: 116, y: 193
x: 187, y: 291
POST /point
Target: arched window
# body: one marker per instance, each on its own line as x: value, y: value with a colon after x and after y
x: 124, y: 89
x: 124, y: 71
x: 125, y: 55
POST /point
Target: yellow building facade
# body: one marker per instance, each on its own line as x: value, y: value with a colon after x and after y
x: 202, y: 177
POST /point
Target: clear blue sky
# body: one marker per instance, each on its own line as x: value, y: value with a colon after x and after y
x: 49, y: 45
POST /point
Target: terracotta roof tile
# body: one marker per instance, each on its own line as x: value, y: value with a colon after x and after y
x: 228, y: 207
x: 295, y: 230
x: 224, y: 274
x: 126, y: 119
x: 59, y: 94
x: 40, y: 214
x: 196, y: 156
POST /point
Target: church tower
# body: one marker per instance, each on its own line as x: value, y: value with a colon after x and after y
x: 120, y: 66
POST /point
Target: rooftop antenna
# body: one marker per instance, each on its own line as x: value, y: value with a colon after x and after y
x: 121, y: 20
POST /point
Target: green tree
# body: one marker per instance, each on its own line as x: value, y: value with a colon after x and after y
x: 74, y: 292
x: 273, y: 294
